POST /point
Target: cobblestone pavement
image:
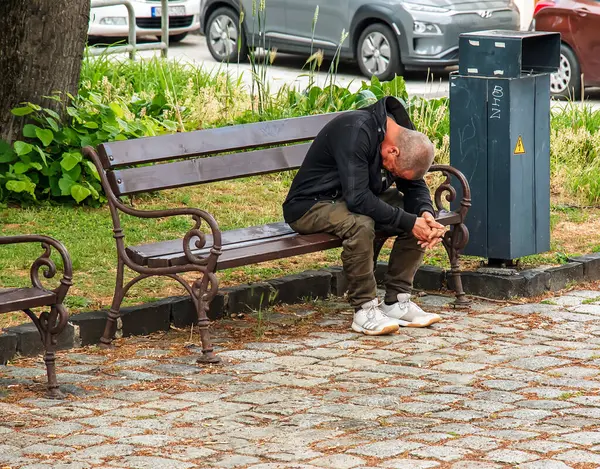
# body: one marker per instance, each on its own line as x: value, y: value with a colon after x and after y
x: 497, y: 386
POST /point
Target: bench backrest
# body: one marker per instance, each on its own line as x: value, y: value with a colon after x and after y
x: 183, y: 157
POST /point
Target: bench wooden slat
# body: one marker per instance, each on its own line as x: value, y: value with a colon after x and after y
x: 17, y: 299
x: 210, y: 141
x: 205, y: 170
x: 169, y: 253
x: 142, y: 253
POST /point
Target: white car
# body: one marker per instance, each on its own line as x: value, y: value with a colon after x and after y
x: 184, y: 16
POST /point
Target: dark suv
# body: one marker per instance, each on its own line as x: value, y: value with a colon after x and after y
x: 383, y: 36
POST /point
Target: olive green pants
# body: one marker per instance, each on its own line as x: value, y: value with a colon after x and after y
x: 358, y: 235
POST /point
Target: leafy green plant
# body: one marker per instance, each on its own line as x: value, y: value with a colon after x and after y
x: 48, y: 163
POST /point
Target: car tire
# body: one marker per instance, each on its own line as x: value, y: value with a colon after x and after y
x: 224, y: 48
x: 177, y: 37
x: 378, y: 54
x: 566, y: 83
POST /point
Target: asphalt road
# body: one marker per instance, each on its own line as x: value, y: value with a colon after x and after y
x: 289, y: 69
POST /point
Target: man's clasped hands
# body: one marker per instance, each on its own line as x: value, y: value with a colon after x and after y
x: 428, y: 231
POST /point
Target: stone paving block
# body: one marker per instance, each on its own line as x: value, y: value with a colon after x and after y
x: 510, y: 456
x: 352, y: 411
x: 587, y: 309
x: 461, y: 367
x: 409, y: 464
x: 97, y: 454
x: 593, y: 401
x: 420, y: 408
x: 541, y: 446
x: 322, y: 353
x: 592, y: 412
x: 386, y: 449
x: 474, y: 465
x: 273, y: 346
x: 460, y: 415
x: 149, y: 462
x: 83, y: 440
x: 64, y: 412
x: 456, y: 429
x: 69, y: 465
x: 510, y: 435
x: 155, y: 441
x: 292, y: 361
x: 504, y: 385
x: 432, y: 437
x: 489, y: 407
x: 59, y: 429
x: 545, y: 464
x: 246, y: 355
x: 289, y: 379
x: 187, y: 453
x: 531, y: 308
x: 566, y: 300
x: 579, y: 456
x: 443, y: 453
x: 139, y: 396
x: 538, y: 363
x: 529, y: 415
x: 582, y: 438
x: 476, y: 443
x: 235, y: 460
x: 338, y: 461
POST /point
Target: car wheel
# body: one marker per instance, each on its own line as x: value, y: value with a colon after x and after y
x: 566, y: 82
x: 378, y: 54
x: 222, y: 36
x: 177, y: 37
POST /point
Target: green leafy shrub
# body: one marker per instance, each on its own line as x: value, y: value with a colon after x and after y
x: 48, y: 163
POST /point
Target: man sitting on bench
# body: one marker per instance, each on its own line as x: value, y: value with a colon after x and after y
x: 344, y: 188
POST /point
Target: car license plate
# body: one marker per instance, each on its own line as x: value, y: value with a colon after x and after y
x: 176, y: 10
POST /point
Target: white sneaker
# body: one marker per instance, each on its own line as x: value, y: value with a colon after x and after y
x: 407, y: 314
x: 370, y: 320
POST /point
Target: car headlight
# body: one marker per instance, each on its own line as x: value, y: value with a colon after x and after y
x: 420, y: 27
x: 114, y: 20
x: 424, y: 8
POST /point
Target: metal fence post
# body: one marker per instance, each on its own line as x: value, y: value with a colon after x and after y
x: 133, y: 46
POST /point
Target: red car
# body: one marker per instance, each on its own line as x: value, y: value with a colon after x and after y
x: 578, y: 22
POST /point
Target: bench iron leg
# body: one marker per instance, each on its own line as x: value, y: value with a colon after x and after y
x: 50, y: 325
x: 454, y: 241
x: 204, y: 291
x: 115, y: 309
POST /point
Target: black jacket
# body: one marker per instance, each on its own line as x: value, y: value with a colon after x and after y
x: 344, y: 161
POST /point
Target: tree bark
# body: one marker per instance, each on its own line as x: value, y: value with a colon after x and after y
x: 41, y: 49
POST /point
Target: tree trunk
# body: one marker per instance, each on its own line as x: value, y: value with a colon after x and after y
x: 41, y: 49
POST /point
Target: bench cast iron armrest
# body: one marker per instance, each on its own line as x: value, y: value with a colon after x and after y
x: 44, y: 262
x: 457, y: 237
x: 446, y: 188
x: 194, y: 261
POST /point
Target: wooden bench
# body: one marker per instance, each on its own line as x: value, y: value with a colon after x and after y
x: 205, y: 156
x: 49, y: 323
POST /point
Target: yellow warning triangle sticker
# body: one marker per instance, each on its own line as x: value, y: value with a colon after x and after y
x: 519, y: 147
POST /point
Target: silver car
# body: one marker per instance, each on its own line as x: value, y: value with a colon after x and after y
x: 385, y: 37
